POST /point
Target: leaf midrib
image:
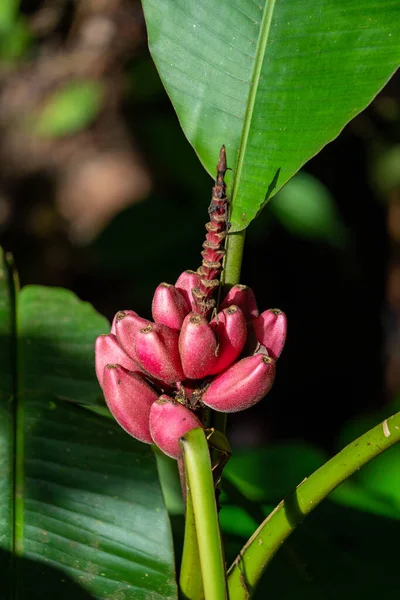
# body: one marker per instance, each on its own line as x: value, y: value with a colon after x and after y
x: 255, y: 77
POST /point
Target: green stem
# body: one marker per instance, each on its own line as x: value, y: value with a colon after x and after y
x: 254, y: 557
x: 196, y: 457
x: 190, y: 579
x: 234, y: 254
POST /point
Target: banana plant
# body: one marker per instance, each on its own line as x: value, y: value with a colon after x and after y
x: 258, y: 88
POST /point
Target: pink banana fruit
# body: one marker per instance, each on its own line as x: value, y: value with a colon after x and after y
x: 186, y: 282
x: 197, y: 347
x: 156, y: 349
x: 242, y: 385
x: 231, y: 332
x: 169, y: 306
x: 129, y: 398
x: 270, y: 329
x: 108, y: 351
x: 243, y: 297
x: 169, y: 421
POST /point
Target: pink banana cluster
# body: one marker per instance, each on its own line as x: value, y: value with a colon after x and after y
x: 157, y: 376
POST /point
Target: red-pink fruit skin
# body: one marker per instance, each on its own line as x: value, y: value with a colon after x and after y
x: 231, y: 331
x: 197, y: 347
x: 108, y: 351
x: 127, y: 324
x: 270, y: 329
x: 169, y: 421
x: 116, y: 318
x: 186, y: 282
x: 242, y: 385
x: 169, y: 306
x: 156, y: 349
x: 129, y: 399
x: 243, y: 297
x: 113, y: 329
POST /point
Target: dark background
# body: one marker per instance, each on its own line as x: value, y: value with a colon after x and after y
x: 106, y: 197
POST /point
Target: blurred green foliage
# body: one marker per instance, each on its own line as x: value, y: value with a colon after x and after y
x: 15, y: 36
x: 8, y: 14
x: 69, y: 109
x: 306, y: 208
x: 385, y: 172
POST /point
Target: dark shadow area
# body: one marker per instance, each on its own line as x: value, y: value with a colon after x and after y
x: 332, y: 366
x: 37, y: 581
x: 292, y: 509
x: 271, y: 188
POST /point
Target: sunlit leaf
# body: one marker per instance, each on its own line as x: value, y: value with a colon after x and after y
x: 273, y: 80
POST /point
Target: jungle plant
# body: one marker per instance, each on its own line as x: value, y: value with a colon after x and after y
x: 82, y: 512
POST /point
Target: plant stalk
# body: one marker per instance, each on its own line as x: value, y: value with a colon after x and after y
x: 199, y: 480
x: 233, y: 258
x: 255, y: 556
x: 190, y: 579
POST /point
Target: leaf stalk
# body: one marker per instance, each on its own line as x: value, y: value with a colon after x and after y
x: 250, y: 564
x: 200, y: 485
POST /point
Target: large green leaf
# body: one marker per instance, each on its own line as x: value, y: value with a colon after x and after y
x: 80, y: 502
x: 62, y: 331
x: 273, y: 80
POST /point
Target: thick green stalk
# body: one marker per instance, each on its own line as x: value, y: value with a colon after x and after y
x: 233, y: 259
x: 173, y: 485
x: 190, y: 579
x: 253, y: 559
x: 196, y: 457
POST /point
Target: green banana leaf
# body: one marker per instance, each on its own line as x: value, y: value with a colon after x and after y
x: 81, y: 511
x: 273, y: 80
